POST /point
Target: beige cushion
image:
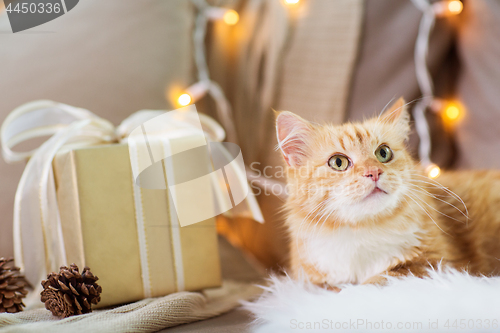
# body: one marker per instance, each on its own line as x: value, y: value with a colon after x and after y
x: 479, y: 84
x: 386, y: 66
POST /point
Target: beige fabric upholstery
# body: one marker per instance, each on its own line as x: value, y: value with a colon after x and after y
x: 318, y: 65
x: 386, y: 69
x: 112, y: 57
x: 479, y: 84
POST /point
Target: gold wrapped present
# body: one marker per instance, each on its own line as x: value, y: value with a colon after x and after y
x: 95, y: 194
x: 136, y: 202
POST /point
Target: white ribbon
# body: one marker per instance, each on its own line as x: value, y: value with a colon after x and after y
x: 36, y: 214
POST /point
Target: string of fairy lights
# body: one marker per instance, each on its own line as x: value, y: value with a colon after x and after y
x: 205, y: 85
x: 450, y: 111
x: 207, y: 13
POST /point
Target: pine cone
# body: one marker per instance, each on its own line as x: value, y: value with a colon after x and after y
x: 69, y: 292
x: 12, y: 289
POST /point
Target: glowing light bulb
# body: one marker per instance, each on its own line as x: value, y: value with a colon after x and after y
x: 231, y: 17
x: 433, y: 171
x: 228, y: 16
x: 292, y: 2
x: 455, y: 7
x: 184, y: 99
x: 447, y: 8
x: 452, y: 112
x: 193, y: 93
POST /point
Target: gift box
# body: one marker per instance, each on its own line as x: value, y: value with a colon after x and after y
x: 100, y: 227
x: 136, y: 203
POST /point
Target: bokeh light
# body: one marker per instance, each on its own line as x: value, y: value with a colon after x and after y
x: 184, y: 99
x: 433, y: 171
x: 455, y: 7
x: 231, y: 17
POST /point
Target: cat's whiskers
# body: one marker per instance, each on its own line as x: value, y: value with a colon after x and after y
x: 412, y: 188
x: 317, y: 206
x: 385, y: 107
x: 425, y: 192
x: 320, y: 208
x: 410, y: 193
x: 327, y: 218
x: 325, y: 212
x: 437, y: 210
x: 426, y: 212
x: 438, y: 185
x: 302, y: 224
x: 380, y: 121
x: 431, y: 182
x: 409, y: 205
x: 316, y: 209
x: 396, y: 109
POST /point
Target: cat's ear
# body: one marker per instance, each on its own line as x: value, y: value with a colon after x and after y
x: 292, y: 132
x: 395, y: 112
x: 397, y: 115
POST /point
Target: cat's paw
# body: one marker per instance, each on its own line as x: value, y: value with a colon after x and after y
x: 377, y: 280
x: 329, y: 287
x: 333, y: 288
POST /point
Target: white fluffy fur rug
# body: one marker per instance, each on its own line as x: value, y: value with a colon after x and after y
x: 446, y: 302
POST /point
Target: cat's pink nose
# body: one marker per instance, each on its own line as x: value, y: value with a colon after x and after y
x: 373, y: 173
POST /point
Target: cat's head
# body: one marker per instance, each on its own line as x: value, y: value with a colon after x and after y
x: 351, y: 172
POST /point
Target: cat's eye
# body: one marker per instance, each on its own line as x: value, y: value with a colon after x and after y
x: 384, y: 154
x: 339, y: 162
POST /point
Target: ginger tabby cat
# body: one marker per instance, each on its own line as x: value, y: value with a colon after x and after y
x: 360, y: 208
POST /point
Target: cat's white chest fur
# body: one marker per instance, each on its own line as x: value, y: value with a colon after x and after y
x: 348, y: 255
